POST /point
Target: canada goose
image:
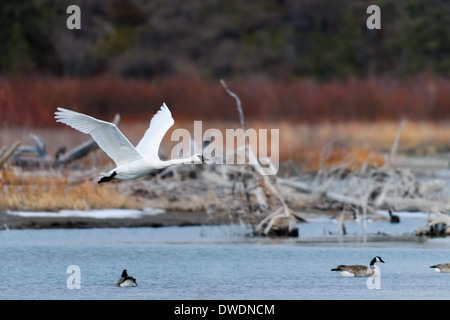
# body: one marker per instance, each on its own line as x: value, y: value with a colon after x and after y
x: 392, y: 217
x: 126, y: 280
x: 358, y: 270
x: 442, y: 267
x: 131, y: 162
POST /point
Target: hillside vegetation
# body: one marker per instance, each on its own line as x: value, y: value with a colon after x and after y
x: 284, y: 39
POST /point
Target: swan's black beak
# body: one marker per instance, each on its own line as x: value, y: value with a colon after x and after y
x: 203, y: 159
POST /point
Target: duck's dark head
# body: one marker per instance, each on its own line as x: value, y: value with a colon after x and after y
x: 124, y: 273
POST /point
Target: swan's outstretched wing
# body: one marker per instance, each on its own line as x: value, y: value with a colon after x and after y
x: 160, y: 123
x: 106, y: 134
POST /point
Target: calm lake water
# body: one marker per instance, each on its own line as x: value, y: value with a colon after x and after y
x: 220, y: 262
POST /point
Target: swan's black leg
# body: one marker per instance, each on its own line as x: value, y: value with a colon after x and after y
x: 106, y: 179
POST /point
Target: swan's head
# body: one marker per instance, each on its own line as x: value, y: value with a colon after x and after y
x: 198, y: 158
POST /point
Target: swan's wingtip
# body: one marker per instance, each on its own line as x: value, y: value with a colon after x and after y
x: 61, y: 109
x: 164, y: 107
x: 61, y: 112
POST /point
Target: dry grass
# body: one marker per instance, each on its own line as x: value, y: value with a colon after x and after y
x: 298, y: 142
x: 34, y: 191
x: 304, y: 142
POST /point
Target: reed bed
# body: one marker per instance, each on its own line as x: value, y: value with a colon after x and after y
x: 53, y: 191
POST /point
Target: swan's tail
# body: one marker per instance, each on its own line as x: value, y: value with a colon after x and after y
x: 105, y: 177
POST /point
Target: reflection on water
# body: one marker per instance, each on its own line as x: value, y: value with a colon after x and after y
x: 222, y: 263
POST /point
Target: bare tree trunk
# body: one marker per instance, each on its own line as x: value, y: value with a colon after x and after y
x: 266, y: 225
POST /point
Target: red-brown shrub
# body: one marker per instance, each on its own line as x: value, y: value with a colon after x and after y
x: 32, y: 101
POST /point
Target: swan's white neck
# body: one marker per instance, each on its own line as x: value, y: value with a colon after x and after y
x: 191, y: 159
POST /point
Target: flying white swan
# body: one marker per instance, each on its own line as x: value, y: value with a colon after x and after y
x: 131, y: 162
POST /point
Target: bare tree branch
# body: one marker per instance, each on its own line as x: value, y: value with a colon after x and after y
x: 6, y: 153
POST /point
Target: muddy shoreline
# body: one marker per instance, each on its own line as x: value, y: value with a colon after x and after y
x: 9, y: 221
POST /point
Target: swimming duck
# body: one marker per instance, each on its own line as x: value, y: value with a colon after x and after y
x: 126, y: 280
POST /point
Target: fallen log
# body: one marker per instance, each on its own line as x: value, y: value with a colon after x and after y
x: 37, y: 156
x: 297, y: 185
x: 346, y: 199
x: 428, y: 163
x: 437, y: 225
x: 409, y: 204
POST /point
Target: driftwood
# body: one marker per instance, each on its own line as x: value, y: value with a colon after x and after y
x: 423, y: 163
x: 369, y: 189
x: 6, y: 153
x: 37, y: 156
x: 437, y: 225
x: 240, y: 194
